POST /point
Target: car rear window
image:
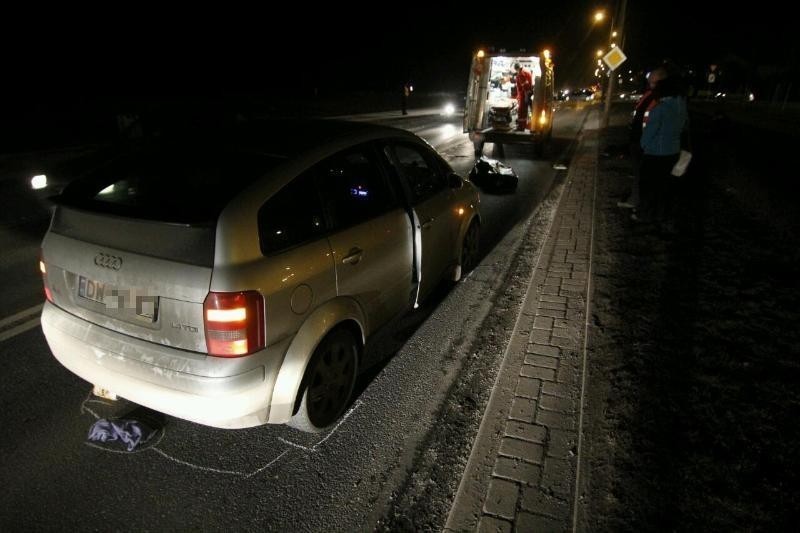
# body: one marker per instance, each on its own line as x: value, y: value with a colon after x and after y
x: 172, y: 184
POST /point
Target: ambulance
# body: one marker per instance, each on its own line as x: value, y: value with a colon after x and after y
x: 491, y: 112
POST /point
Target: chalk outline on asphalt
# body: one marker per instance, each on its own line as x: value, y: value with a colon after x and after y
x: 245, y: 475
x: 313, y: 448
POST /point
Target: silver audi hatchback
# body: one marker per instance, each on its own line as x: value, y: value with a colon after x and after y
x: 234, y: 278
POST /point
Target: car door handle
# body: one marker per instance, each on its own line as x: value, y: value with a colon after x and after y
x: 353, y: 256
x: 428, y: 223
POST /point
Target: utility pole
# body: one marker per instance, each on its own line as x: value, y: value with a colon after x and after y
x: 611, y: 77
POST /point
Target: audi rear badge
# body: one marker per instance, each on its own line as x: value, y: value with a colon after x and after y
x: 108, y: 261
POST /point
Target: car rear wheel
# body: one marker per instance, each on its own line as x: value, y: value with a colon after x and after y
x: 329, y: 382
x: 469, y: 248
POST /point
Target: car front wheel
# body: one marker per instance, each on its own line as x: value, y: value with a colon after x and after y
x: 469, y: 248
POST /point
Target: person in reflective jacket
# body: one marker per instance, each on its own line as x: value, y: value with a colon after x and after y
x: 524, y: 91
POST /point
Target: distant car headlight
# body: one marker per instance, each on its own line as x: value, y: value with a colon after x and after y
x: 39, y: 181
x: 449, y: 110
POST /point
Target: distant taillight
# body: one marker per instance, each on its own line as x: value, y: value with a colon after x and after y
x: 43, y: 270
x: 234, y: 323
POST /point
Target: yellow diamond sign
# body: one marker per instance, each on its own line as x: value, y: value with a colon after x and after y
x: 614, y: 58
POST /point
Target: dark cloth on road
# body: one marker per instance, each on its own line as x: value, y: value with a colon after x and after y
x: 125, y: 433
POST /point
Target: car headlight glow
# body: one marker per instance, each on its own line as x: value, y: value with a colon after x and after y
x: 449, y: 109
x: 39, y: 181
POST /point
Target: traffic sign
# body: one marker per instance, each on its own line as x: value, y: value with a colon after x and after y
x: 614, y: 58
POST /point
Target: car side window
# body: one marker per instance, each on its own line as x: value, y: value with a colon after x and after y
x: 423, y: 175
x: 292, y: 216
x: 353, y: 188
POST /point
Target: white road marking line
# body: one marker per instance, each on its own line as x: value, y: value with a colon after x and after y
x: 22, y: 328
x: 22, y: 314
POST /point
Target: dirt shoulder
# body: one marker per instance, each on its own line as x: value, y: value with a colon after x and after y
x: 693, y: 400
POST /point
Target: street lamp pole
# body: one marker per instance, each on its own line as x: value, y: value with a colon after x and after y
x: 611, y: 77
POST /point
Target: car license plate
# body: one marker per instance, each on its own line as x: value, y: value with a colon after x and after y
x: 91, y: 290
x: 120, y: 302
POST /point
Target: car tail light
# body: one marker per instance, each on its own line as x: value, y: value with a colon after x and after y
x: 234, y: 323
x: 43, y: 270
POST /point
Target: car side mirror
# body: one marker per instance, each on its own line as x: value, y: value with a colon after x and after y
x: 454, y: 181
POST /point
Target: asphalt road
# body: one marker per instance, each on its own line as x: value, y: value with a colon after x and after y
x: 267, y: 478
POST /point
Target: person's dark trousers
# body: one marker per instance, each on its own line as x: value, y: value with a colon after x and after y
x: 658, y: 187
x: 522, y: 112
x: 635, y: 152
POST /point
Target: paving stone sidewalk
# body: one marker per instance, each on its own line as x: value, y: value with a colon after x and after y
x: 536, y: 416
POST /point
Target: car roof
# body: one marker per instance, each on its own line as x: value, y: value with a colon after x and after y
x: 280, y: 138
x: 214, y: 162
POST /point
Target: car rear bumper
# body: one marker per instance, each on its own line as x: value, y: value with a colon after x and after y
x: 124, y: 365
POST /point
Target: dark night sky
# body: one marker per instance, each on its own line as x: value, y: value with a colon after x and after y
x: 67, y: 56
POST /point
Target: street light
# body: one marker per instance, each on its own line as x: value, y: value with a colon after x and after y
x: 599, y: 16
